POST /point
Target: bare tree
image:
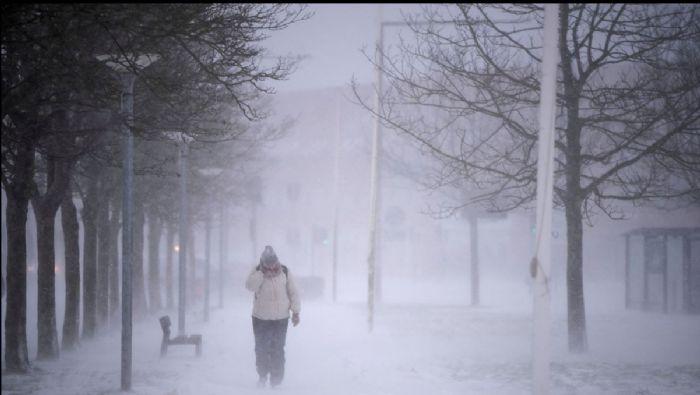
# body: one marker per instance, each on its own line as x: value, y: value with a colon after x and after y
x: 107, y: 189
x: 466, y: 92
x: 44, y: 79
x: 71, y: 321
x: 88, y: 195
x: 48, y: 59
x: 17, y: 170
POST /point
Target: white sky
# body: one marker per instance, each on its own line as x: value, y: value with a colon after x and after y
x: 332, y: 40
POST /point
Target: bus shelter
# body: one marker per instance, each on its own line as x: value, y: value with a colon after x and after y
x: 662, y: 269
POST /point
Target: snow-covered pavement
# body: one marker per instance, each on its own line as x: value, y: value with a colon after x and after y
x: 414, y: 349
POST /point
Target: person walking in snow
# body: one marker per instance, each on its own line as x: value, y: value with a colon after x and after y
x: 275, y: 295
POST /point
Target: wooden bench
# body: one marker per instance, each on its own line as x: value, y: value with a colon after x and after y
x: 196, y: 340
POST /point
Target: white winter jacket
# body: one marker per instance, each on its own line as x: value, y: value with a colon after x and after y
x: 274, y: 296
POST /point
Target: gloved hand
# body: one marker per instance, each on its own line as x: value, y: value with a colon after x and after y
x: 295, y: 319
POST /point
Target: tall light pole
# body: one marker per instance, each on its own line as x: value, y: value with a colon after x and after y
x: 474, y: 257
x: 183, y: 233
x: 207, y: 264
x: 223, y: 235
x: 374, y: 280
x: 125, y: 65
x: 127, y: 108
x: 374, y: 189
x: 208, y: 173
x: 374, y: 271
x: 336, y: 198
x: 541, y: 263
x: 256, y: 186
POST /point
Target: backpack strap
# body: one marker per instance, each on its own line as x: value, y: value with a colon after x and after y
x: 286, y: 277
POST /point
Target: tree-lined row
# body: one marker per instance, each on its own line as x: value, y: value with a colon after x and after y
x: 61, y: 121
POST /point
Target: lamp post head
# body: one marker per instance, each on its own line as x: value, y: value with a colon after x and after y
x: 179, y: 137
x: 125, y: 63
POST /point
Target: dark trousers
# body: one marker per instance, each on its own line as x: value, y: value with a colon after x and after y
x: 270, y: 337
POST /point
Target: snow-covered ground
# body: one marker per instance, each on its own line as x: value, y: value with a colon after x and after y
x: 421, y: 349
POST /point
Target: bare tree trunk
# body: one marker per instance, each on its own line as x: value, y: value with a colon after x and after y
x: 71, y: 231
x: 89, y: 217
x: 139, y: 292
x: 578, y: 341
x: 46, y: 303
x: 169, y: 295
x: 103, y: 239
x: 191, y: 277
x: 154, y: 232
x: 16, y: 354
x: 45, y: 208
x: 114, y: 225
x: 573, y: 197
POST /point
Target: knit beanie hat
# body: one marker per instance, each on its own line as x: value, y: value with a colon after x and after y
x: 268, y: 258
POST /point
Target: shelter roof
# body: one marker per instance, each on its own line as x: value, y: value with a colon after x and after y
x: 677, y: 231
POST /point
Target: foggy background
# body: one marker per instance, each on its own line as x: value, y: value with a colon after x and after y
x: 320, y: 165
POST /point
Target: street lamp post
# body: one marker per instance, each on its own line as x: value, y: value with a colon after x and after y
x: 127, y: 227
x: 374, y: 280
x: 125, y: 66
x: 207, y: 265
x: 541, y: 263
x: 223, y: 235
x: 183, y: 234
x: 374, y: 190
x: 256, y: 187
x: 208, y: 173
x: 182, y: 140
x: 336, y: 201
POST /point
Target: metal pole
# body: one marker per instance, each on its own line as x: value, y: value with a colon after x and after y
x: 474, y: 247
x: 254, y: 220
x: 127, y: 110
x: 376, y: 142
x: 664, y: 260
x: 207, y: 258
x: 222, y: 253
x: 627, y: 271
x: 183, y: 238
x: 254, y: 232
x: 545, y: 180
x: 337, y: 204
